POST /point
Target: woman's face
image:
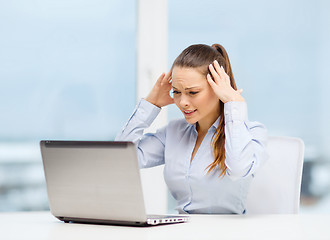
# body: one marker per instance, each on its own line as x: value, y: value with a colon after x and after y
x: 194, y: 96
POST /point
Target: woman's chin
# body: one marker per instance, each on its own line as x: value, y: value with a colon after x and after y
x: 190, y: 120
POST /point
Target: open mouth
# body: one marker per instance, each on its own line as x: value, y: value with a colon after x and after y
x: 189, y: 112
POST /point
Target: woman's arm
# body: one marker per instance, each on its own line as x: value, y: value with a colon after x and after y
x: 245, y: 141
x: 150, y: 146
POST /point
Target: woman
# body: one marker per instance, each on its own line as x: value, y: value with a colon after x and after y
x: 211, y: 155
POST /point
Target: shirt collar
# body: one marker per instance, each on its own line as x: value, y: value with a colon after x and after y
x: 214, y: 125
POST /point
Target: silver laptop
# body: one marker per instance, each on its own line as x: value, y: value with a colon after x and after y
x: 96, y: 182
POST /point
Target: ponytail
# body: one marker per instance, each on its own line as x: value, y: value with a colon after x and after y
x: 227, y: 66
x: 218, y: 143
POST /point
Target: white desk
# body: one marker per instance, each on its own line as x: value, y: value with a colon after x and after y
x: 42, y: 225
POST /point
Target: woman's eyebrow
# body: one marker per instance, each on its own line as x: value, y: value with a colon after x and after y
x: 192, y: 87
x: 188, y: 88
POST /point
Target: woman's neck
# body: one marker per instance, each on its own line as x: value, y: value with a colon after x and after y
x: 202, y: 127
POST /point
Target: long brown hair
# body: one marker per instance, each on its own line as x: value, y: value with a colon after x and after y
x: 200, y: 56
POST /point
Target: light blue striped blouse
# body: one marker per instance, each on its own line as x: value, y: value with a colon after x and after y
x: 194, y: 190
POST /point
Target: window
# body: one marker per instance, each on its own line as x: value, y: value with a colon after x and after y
x: 63, y: 70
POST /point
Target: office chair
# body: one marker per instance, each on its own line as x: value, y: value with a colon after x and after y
x: 276, y: 185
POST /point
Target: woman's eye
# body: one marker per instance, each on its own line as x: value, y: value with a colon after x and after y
x: 175, y: 92
x: 193, y: 93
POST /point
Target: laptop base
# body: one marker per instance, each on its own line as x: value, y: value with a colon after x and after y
x: 152, y: 221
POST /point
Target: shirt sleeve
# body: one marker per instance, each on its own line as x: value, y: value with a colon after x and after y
x: 245, y: 142
x: 150, y: 146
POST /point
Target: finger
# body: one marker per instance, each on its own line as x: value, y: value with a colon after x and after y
x: 214, y: 73
x: 160, y: 79
x: 211, y: 82
x: 221, y: 71
x: 225, y: 76
x: 167, y: 78
x: 168, y: 75
x: 218, y: 68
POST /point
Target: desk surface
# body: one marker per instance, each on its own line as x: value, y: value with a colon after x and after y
x: 42, y: 225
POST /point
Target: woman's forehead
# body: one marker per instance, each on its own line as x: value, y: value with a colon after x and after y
x: 187, y: 78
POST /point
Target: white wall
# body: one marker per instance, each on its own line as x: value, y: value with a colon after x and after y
x: 151, y: 62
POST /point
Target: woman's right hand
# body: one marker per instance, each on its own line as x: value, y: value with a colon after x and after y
x: 160, y: 93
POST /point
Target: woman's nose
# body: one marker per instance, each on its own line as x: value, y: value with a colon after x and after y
x: 184, y: 102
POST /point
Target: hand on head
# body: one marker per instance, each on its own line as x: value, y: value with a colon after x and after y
x: 160, y: 93
x: 220, y: 83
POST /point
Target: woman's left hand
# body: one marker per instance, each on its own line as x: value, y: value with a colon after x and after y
x: 221, y: 84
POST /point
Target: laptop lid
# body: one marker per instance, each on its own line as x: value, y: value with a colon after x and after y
x: 93, y: 180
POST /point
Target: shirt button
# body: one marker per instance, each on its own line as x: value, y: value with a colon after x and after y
x: 142, y: 111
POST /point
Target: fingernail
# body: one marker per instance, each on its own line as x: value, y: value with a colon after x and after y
x: 215, y: 61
